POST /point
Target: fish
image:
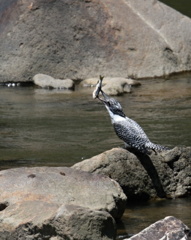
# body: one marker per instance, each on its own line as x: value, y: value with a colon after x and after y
x: 98, y: 87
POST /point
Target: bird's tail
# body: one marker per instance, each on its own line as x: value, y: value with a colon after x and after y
x: 157, y: 147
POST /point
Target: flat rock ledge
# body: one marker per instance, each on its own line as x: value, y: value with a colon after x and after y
x: 58, y: 203
x: 165, y: 175
x: 169, y: 228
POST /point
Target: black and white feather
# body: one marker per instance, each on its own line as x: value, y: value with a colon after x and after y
x: 127, y: 129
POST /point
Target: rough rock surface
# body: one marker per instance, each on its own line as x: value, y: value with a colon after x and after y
x: 45, y: 81
x: 40, y: 203
x: 78, y: 39
x: 168, y: 228
x: 167, y: 174
x: 51, y: 222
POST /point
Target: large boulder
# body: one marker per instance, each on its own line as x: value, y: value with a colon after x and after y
x: 79, y: 39
x: 167, y: 174
x: 60, y: 202
x: 169, y: 228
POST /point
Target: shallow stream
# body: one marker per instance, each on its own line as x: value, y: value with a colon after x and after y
x: 56, y: 128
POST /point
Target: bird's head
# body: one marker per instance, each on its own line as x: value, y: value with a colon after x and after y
x: 113, y: 106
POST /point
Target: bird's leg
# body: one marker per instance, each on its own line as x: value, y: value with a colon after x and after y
x: 127, y: 146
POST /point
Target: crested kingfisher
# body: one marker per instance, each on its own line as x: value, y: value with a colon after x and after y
x: 126, y: 129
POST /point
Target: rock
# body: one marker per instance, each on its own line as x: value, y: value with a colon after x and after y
x: 172, y: 155
x: 40, y: 220
x: 91, y: 82
x: 60, y: 202
x: 78, y: 39
x: 169, y: 228
x: 112, y: 86
x: 117, y: 86
x: 45, y: 81
x: 144, y: 177
x: 86, y: 224
x: 114, y: 90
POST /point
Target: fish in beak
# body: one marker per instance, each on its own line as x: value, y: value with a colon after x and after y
x: 97, y: 91
x: 97, y: 88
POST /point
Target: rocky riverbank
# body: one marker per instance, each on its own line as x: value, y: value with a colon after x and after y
x: 83, y: 202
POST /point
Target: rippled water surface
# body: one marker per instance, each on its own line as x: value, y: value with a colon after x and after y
x: 43, y: 127
x: 56, y: 128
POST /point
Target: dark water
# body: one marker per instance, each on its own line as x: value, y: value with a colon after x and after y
x: 55, y: 128
x: 139, y: 216
x: 42, y: 127
x: 183, y: 6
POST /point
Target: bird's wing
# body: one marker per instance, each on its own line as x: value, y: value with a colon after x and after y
x: 131, y: 133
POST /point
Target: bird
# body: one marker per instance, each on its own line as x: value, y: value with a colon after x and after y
x: 126, y: 128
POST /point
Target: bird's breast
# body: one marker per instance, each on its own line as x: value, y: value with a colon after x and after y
x: 116, y: 119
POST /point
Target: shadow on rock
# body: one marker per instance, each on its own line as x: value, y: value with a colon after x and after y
x: 152, y: 172
x: 142, y: 177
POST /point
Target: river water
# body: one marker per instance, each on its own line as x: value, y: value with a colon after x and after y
x: 139, y: 216
x: 183, y: 6
x: 59, y: 128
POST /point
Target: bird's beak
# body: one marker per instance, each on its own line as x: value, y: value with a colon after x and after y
x: 105, y: 97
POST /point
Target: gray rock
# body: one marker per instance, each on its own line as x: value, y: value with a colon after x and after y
x: 169, y: 228
x: 111, y: 85
x: 171, y: 156
x: 45, y: 81
x: 91, y: 82
x: 144, y: 177
x: 43, y: 202
x: 86, y: 224
x: 80, y: 39
x: 42, y: 220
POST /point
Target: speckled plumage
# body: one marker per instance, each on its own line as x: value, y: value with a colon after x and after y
x: 133, y: 135
x: 127, y: 129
